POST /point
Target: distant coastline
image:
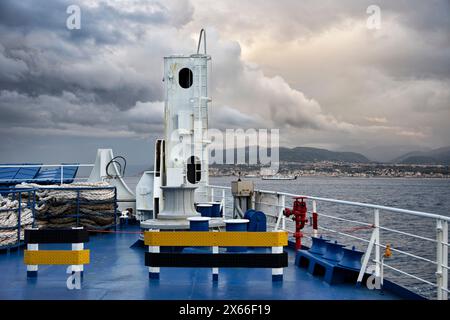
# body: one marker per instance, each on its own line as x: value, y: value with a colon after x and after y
x: 337, y: 169
x: 344, y: 176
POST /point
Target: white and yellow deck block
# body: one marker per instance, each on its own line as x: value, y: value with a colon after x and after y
x: 216, y: 239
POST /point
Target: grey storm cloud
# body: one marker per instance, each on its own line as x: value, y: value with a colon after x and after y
x: 39, y: 55
x: 59, y: 79
x: 50, y: 15
x: 309, y: 68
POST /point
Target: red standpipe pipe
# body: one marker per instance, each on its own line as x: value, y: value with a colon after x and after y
x: 298, y: 213
x: 314, y: 220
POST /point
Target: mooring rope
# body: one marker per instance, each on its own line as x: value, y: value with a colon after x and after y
x: 9, y: 217
x: 53, y: 204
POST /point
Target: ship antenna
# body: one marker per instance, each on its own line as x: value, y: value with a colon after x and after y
x: 200, y: 41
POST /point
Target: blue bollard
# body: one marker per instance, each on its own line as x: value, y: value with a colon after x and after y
x: 215, y: 209
x: 204, y: 209
x: 199, y: 223
x: 236, y: 225
x: 257, y: 220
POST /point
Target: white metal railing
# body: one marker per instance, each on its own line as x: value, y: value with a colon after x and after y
x: 440, y: 230
x: 61, y: 166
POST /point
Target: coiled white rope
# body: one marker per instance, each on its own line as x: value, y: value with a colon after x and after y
x: 48, y: 193
x: 49, y: 200
x: 9, y: 217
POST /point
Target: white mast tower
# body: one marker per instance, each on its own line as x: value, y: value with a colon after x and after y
x: 181, y: 159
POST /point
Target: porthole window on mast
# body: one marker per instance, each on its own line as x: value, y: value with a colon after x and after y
x: 194, y: 170
x: 185, y: 77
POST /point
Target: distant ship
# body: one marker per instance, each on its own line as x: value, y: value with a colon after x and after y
x: 279, y: 177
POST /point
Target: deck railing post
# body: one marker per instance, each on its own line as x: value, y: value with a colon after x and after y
x: 314, y: 218
x: 280, y: 216
x: 223, y: 203
x: 278, y: 219
x: 377, y: 243
x: 62, y: 174
x: 212, y: 194
x: 373, y: 242
x: 445, y: 259
x: 366, y: 258
x: 442, y: 259
x: 28, y: 199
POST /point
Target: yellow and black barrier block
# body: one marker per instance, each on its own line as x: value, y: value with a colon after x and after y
x: 56, y: 236
x: 75, y: 258
x: 277, y: 259
x: 56, y: 257
x: 219, y: 260
x: 220, y: 239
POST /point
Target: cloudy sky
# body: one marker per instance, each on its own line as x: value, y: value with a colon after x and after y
x: 312, y: 69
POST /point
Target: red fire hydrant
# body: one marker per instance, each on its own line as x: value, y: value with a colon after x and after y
x: 298, y: 214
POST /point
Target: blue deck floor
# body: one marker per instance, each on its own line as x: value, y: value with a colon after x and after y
x: 117, y: 271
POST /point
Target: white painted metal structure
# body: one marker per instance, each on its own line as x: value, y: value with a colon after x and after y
x: 144, y: 196
x: 181, y: 159
x: 125, y: 197
x: 149, y: 196
x: 274, y: 203
x: 186, y: 120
